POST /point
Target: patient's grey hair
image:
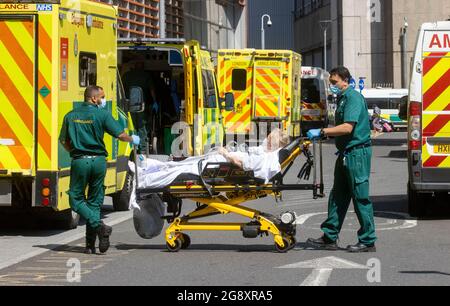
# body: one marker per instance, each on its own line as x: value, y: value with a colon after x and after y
x: 282, y: 138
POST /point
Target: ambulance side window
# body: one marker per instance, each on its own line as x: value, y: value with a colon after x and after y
x: 88, y: 69
x: 209, y: 89
x: 239, y: 80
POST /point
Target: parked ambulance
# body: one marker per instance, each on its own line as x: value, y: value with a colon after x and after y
x: 429, y: 118
x: 266, y: 89
x: 50, y: 51
x: 315, y: 95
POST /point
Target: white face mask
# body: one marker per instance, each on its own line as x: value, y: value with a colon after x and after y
x: 102, y: 103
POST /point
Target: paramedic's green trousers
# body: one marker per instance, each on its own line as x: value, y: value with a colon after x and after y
x: 88, y: 173
x: 351, y: 182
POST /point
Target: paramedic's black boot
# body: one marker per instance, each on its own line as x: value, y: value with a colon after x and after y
x: 103, y: 232
x: 91, y: 238
x: 362, y: 248
x: 323, y: 243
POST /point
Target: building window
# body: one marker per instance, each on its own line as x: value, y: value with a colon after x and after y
x: 306, y: 7
x: 239, y: 80
x: 88, y: 69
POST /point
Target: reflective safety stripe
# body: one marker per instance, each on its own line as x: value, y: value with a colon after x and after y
x: 436, y: 104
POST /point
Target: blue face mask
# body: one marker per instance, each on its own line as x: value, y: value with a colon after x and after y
x: 335, y: 90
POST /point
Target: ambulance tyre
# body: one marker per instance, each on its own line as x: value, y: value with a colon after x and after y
x: 67, y: 219
x: 417, y: 202
x: 121, y: 199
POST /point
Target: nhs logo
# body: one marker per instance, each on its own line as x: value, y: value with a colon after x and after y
x: 44, y: 7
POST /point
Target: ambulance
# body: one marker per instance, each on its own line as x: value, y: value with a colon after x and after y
x: 315, y: 95
x: 188, y: 121
x: 50, y: 52
x: 429, y: 118
x: 265, y: 85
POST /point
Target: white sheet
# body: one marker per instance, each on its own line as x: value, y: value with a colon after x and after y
x: 156, y: 174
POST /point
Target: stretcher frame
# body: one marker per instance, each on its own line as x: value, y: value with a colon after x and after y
x: 227, y: 199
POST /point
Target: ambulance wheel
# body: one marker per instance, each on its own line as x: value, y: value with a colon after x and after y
x: 67, y: 219
x: 176, y: 248
x: 121, y: 199
x: 285, y: 248
x: 186, y: 241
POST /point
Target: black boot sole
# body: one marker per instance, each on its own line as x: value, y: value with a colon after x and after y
x: 104, y: 243
x: 366, y: 250
x: 323, y: 247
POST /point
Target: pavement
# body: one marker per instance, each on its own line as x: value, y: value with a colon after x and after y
x: 409, y: 251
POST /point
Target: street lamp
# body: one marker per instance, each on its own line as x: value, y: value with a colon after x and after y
x: 324, y: 25
x: 269, y: 24
x: 405, y: 54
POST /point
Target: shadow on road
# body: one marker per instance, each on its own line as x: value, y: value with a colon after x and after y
x: 390, y: 203
x: 425, y: 272
x: 29, y: 225
x: 244, y: 248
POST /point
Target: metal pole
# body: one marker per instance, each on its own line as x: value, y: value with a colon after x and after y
x: 405, y: 57
x: 263, y: 39
x: 162, y: 19
x: 324, y: 25
x: 325, y: 49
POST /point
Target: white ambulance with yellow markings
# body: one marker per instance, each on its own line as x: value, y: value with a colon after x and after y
x: 429, y: 118
x: 49, y: 53
x: 266, y: 89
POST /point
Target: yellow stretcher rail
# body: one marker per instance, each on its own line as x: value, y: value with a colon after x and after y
x: 219, y: 196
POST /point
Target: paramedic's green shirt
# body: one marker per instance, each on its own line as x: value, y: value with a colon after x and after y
x: 85, y: 127
x: 352, y: 107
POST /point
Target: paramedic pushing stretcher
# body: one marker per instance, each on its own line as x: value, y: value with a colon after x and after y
x: 352, y: 170
x: 82, y: 135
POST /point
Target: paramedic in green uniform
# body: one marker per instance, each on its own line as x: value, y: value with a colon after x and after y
x: 352, y: 170
x: 82, y: 135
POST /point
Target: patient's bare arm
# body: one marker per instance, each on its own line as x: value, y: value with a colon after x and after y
x: 232, y: 159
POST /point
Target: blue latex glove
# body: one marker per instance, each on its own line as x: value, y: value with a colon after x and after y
x: 136, y: 140
x: 314, y: 134
x: 155, y: 107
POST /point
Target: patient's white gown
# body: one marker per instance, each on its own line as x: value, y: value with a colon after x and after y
x: 156, y: 174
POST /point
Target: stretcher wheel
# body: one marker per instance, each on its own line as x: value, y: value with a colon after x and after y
x: 186, y: 241
x: 287, y: 246
x: 292, y: 242
x: 176, y: 248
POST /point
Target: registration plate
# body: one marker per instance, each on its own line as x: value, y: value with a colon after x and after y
x: 442, y: 149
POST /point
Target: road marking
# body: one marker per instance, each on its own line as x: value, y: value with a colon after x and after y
x: 322, y: 269
x: 407, y: 223
x: 78, y: 234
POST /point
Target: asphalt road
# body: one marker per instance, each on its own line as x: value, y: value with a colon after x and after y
x: 410, y: 252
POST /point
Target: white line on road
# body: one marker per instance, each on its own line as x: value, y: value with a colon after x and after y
x: 322, y: 269
x: 407, y: 224
x: 318, y: 278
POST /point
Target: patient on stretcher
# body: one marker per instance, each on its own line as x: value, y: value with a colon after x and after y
x: 262, y: 160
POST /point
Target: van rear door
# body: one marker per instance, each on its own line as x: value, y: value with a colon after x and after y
x: 17, y: 93
x: 436, y: 100
x: 268, y: 89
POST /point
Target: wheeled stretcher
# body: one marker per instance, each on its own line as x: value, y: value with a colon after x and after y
x: 222, y: 188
